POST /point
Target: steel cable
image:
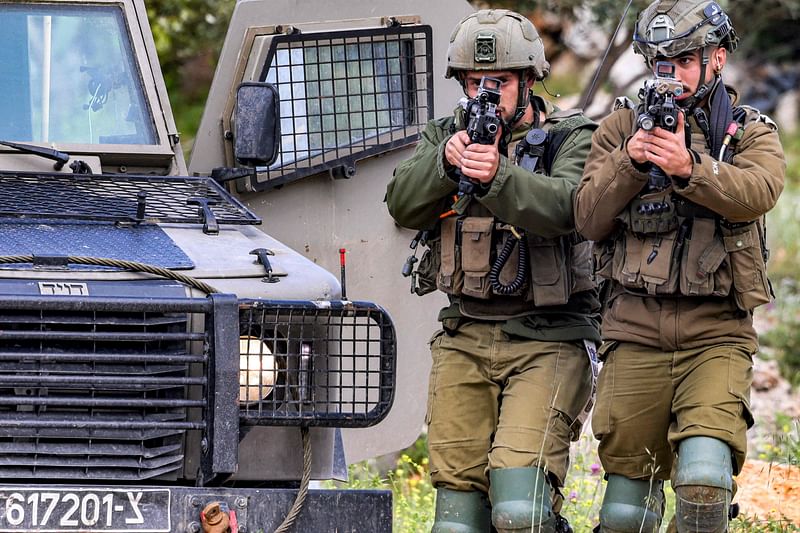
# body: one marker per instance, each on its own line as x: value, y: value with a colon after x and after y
x: 123, y: 264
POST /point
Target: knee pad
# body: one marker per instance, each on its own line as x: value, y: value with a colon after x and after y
x: 461, y: 512
x: 521, y: 500
x: 632, y: 505
x: 703, y: 484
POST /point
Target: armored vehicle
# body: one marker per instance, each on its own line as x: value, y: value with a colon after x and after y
x: 175, y: 354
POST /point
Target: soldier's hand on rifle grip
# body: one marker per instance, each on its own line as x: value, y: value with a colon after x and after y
x: 637, y: 146
x: 668, y: 150
x: 454, y: 149
x: 481, y: 161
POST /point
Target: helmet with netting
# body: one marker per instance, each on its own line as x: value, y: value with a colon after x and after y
x: 496, y: 39
x: 669, y: 28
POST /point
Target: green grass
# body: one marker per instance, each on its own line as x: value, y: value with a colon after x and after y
x: 782, y: 340
x: 414, y: 497
x: 783, y: 443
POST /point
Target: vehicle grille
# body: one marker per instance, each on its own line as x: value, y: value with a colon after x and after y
x: 95, y: 389
x: 106, y: 388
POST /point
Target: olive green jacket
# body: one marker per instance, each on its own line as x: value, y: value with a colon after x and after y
x: 741, y: 191
x: 421, y: 191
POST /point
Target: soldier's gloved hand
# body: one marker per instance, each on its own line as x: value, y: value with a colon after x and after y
x: 480, y: 161
x: 668, y: 150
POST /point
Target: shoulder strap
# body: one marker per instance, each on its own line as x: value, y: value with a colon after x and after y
x: 559, y: 133
x: 746, y: 115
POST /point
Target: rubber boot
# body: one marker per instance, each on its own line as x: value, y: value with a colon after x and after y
x: 703, y: 485
x: 461, y: 512
x: 521, y: 500
x: 631, y: 505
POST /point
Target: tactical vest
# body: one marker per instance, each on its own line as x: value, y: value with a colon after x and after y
x: 669, y: 246
x: 475, y: 244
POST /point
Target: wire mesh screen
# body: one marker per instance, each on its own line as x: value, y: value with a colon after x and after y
x: 315, y: 364
x: 118, y: 198
x: 345, y: 96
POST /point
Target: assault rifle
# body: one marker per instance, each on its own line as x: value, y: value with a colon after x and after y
x: 660, y: 110
x: 482, y: 123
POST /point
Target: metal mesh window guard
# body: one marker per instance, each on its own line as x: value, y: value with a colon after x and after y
x: 316, y: 364
x: 118, y: 198
x: 345, y: 96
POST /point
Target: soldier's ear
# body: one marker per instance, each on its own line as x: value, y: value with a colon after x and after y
x: 720, y: 58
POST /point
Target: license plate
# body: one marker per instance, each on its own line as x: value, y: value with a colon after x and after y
x: 108, y: 510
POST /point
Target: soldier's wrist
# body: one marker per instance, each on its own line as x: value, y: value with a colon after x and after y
x: 681, y: 179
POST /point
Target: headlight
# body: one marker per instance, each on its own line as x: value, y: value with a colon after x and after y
x: 258, y: 369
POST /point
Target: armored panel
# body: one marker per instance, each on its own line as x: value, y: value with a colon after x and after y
x: 143, y: 243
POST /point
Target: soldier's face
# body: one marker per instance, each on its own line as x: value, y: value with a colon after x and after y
x: 689, y: 65
x: 509, y: 88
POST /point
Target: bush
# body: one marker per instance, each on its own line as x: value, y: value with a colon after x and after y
x: 785, y: 445
x: 783, y: 336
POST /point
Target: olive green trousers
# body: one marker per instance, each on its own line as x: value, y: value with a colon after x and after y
x: 497, y: 401
x: 649, y: 400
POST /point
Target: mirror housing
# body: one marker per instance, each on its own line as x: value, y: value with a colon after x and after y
x: 258, y: 125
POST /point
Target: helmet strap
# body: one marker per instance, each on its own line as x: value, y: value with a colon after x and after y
x: 523, y: 98
x: 703, y: 88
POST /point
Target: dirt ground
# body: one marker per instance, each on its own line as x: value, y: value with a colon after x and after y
x: 769, y: 491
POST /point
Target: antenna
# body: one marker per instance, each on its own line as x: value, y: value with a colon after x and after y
x: 557, y: 95
x: 605, y: 55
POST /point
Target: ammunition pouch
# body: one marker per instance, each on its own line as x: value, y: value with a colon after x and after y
x: 470, y: 247
x: 451, y: 277
x: 746, y: 248
x: 551, y: 279
x: 476, y: 255
x: 667, y: 253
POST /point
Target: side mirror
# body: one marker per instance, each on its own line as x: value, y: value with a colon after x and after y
x: 258, y: 124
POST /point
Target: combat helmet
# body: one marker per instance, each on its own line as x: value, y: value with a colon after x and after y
x: 668, y: 28
x: 671, y: 27
x: 498, y: 39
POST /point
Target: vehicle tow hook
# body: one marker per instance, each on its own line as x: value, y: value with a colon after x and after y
x: 216, y: 517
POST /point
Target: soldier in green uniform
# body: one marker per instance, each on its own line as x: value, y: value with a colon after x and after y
x: 512, y: 373
x: 683, y: 250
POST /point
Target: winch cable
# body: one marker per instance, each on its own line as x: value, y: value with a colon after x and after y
x: 593, y: 85
x: 302, y: 492
x: 133, y: 266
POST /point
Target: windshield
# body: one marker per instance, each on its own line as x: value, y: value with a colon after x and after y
x: 67, y: 75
